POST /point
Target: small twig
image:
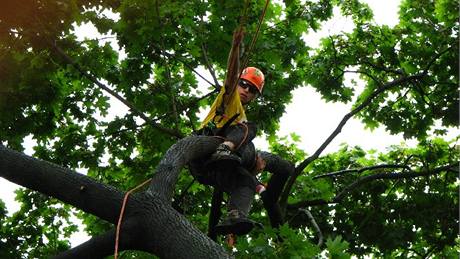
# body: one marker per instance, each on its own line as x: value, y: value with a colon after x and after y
x: 313, y: 221
x: 97, y: 39
x: 93, y: 79
x: 425, y: 71
x: 365, y: 73
x: 168, y: 71
x: 188, y: 66
x: 405, y: 169
x: 398, y: 72
x: 208, y: 65
x: 172, y: 95
x: 217, y: 85
x: 360, y: 170
x: 430, y: 251
x: 416, y: 252
x: 389, y: 176
x: 183, y: 108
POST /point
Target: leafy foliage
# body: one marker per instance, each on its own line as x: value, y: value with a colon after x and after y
x: 43, y: 226
x: 265, y: 245
x: 386, y: 217
x: 160, y: 46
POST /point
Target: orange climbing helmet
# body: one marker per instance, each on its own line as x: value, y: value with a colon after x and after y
x: 255, y: 76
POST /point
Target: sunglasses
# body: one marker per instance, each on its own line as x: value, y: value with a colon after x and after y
x: 245, y: 84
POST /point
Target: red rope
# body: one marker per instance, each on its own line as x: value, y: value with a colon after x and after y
x: 245, y: 134
x: 256, y: 35
x: 231, y: 240
x: 253, y: 41
x: 120, y: 218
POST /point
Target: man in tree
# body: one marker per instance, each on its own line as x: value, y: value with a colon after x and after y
x: 233, y: 166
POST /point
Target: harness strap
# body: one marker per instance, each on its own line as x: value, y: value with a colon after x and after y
x: 227, y: 124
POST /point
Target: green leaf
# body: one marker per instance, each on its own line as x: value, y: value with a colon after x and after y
x: 337, y: 247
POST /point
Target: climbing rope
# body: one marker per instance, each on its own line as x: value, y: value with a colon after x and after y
x: 251, y: 46
x: 120, y: 218
x: 234, y: 85
x: 256, y: 35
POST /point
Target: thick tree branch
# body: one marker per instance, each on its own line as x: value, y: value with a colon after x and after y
x: 187, y: 149
x: 407, y: 175
x: 153, y: 226
x: 97, y: 247
x: 150, y: 224
x: 66, y: 185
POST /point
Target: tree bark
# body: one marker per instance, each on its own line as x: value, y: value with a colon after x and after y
x: 150, y: 223
x: 64, y: 184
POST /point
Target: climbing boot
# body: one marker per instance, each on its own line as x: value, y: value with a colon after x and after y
x: 223, y: 158
x: 235, y: 223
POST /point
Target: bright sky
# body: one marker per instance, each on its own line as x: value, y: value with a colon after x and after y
x: 313, y: 119
x: 308, y: 115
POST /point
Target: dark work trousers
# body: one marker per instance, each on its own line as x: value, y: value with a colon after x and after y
x: 239, y: 183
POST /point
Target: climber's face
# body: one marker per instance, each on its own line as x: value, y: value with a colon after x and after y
x: 247, y: 91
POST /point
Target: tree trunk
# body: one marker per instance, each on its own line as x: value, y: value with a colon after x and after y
x: 150, y: 223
